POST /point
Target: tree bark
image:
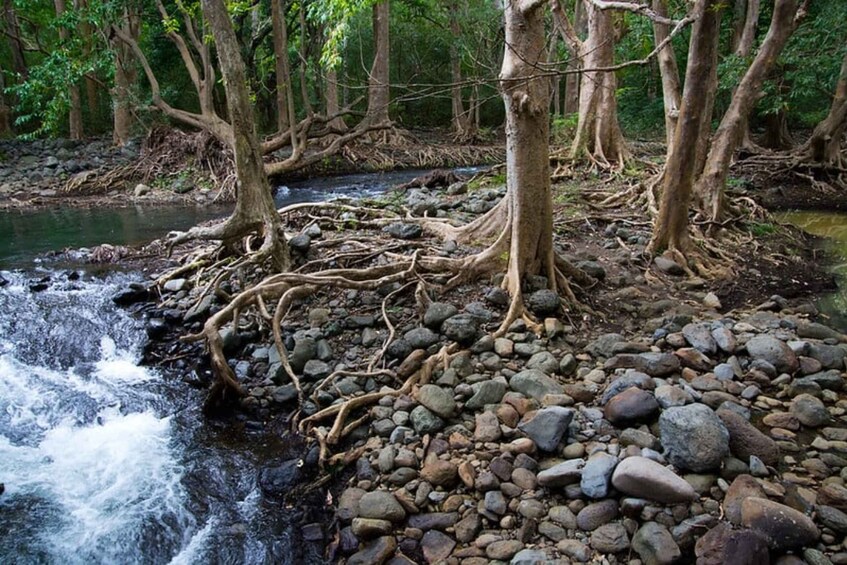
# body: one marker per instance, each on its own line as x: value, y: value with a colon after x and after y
x: 598, y: 133
x: 13, y: 30
x: 527, y: 101
x: 671, y: 228
x: 75, y: 111
x: 378, y: 81
x: 571, y: 104
x: 460, y: 118
x: 283, y: 81
x: 669, y: 72
x: 335, y: 124
x: 254, y: 208
x: 126, y: 76
x: 825, y: 144
x: 710, y: 186
x: 5, y: 110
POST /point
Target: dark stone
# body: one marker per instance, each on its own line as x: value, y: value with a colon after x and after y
x: 592, y: 269
x: 277, y: 481
x: 497, y: 297
x: 461, y: 328
x: 404, y: 231
x: 135, y: 293
x: 631, y: 405
x: 544, y: 302
x: 783, y: 527
x: 433, y: 520
x: 437, y: 312
x: 421, y: 338
x: 376, y: 552
x: 156, y: 328
x: 654, y: 364
x: 694, y: 437
x: 547, y: 426
x: 300, y: 243
x: 745, y: 440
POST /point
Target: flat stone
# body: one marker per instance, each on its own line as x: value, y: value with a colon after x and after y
x: 382, y: 505
x: 425, y: 422
x: 655, y: 545
x: 369, y: 528
x: 563, y: 474
x: 654, y: 364
x: 597, y: 474
x: 437, y: 400
x: 440, y: 473
x: 534, y: 384
x: 643, y: 478
x: 783, y: 527
x: 503, y: 550
x: 404, y: 231
x: 433, y: 520
x: 436, y: 546
x: 486, y: 392
x: 597, y: 514
x: 547, y: 426
x: 610, y: 538
x: 376, y: 552
x: 694, y: 437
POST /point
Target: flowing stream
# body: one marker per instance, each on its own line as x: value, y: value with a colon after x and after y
x: 104, y: 460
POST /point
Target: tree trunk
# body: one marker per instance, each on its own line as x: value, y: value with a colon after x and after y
x: 527, y: 102
x: 745, y: 30
x: 460, y: 118
x: 5, y: 110
x: 598, y: 133
x: 671, y: 228
x: 336, y: 124
x: 304, y: 86
x: 378, y: 81
x: 75, y: 112
x: 571, y: 105
x: 283, y: 84
x: 13, y: 31
x: 670, y: 74
x: 777, y: 135
x: 91, y: 94
x: 254, y: 208
x: 125, y: 78
x: 825, y: 143
x: 710, y: 186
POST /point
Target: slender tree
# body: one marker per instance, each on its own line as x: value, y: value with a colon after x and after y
x: 825, y: 144
x: 379, y: 96
x: 669, y: 73
x: 75, y: 111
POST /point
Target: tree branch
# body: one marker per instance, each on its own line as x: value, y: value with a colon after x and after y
x: 565, y: 27
x: 641, y: 9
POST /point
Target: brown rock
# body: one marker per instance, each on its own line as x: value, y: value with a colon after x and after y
x: 784, y: 420
x: 833, y: 494
x: 411, y: 364
x: 631, y: 405
x: 467, y: 473
x: 743, y: 487
x: 437, y: 546
x: 376, y: 552
x: 439, y: 472
x: 783, y: 527
x: 745, y: 440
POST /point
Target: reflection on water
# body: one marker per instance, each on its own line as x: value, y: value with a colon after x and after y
x: 833, y: 226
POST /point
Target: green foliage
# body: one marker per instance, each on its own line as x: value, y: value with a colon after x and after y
x: 761, y: 229
x: 563, y: 128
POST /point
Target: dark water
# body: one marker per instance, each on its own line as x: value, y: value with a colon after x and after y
x: 24, y: 235
x: 832, y: 226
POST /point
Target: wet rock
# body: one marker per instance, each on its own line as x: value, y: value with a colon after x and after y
x: 643, y: 478
x: 436, y: 546
x: 156, y: 328
x: 783, y: 527
x: 597, y: 474
x: 376, y: 552
x: 404, y: 231
x: 421, y: 338
x: 534, y: 384
x: 655, y: 545
x: 810, y: 411
x: 693, y: 437
x: 547, y: 426
x: 597, y: 514
x: 438, y: 400
x: 745, y: 440
x: 382, y: 505
x: 461, y: 328
x: 562, y: 474
x: 774, y: 351
x: 654, y: 364
x: 433, y: 520
x: 369, y: 528
x: 425, y: 422
x: 132, y: 295
x: 631, y: 405
x: 436, y: 313
x: 277, y: 481
x: 544, y: 302
x: 832, y: 518
x: 175, y: 285
x: 610, y: 538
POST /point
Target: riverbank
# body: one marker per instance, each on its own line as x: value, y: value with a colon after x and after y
x: 517, y: 448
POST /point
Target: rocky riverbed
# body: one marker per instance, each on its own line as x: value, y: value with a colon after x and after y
x: 690, y: 433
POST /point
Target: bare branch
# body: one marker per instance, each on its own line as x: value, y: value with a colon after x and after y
x: 642, y: 9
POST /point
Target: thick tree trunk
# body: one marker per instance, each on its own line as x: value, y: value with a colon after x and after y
x: 332, y: 108
x: 13, y: 32
x: 710, y: 186
x: 75, y: 111
x: 126, y: 76
x: 460, y: 118
x: 527, y: 102
x: 825, y: 144
x: 378, y: 82
x: 598, y: 133
x: 744, y: 29
x: 671, y: 228
x: 777, y: 135
x: 283, y: 84
x: 254, y: 207
x: 670, y: 74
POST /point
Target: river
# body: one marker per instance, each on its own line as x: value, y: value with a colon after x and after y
x: 104, y: 460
